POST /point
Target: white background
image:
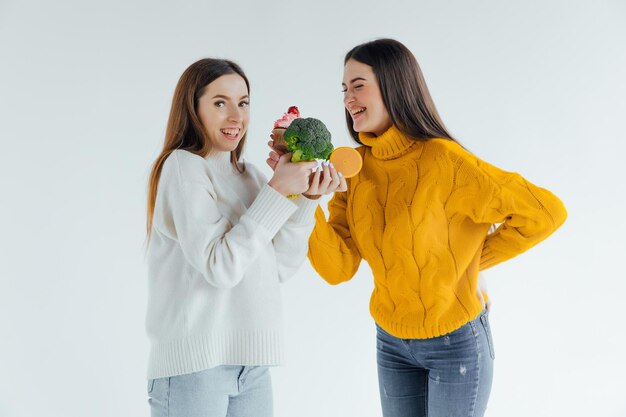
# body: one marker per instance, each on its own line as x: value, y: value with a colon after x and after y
x: 535, y: 87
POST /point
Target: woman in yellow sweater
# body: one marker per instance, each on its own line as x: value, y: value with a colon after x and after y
x: 419, y: 213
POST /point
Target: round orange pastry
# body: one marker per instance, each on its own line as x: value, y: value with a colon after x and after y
x: 347, y: 160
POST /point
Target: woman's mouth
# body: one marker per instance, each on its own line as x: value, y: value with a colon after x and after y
x: 357, y: 112
x: 231, y: 133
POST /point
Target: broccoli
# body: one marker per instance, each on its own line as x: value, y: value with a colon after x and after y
x: 308, y: 139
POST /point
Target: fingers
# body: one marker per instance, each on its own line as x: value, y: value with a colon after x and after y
x: 326, y: 178
x: 274, y: 156
x: 285, y: 158
x: 321, y: 182
x: 343, y: 184
x: 271, y: 163
x: 304, y: 166
x: 309, y: 165
x: 314, y: 187
x: 335, y: 178
x: 271, y: 145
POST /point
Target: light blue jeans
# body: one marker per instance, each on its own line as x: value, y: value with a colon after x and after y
x: 223, y: 391
x: 444, y: 376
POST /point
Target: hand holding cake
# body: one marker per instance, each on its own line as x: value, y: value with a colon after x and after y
x: 308, y: 139
x: 281, y: 125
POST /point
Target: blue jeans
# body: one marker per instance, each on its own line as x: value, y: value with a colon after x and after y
x: 446, y: 376
x: 223, y: 391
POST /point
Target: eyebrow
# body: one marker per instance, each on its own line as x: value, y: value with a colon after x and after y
x: 355, y: 79
x: 225, y: 97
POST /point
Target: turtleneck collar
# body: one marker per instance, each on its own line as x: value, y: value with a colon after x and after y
x: 390, y: 145
x: 220, y: 161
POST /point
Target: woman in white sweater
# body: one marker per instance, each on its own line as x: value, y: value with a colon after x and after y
x: 221, y: 239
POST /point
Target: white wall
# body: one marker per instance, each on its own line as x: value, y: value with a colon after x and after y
x: 535, y: 87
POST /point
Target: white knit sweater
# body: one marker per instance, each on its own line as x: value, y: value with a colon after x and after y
x: 221, y: 243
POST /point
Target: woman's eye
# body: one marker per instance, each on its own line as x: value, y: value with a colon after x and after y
x: 219, y: 104
x: 358, y: 86
x: 244, y: 104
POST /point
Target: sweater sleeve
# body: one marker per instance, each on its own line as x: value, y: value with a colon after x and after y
x: 291, y: 241
x: 222, y: 252
x: 332, y: 251
x: 528, y: 214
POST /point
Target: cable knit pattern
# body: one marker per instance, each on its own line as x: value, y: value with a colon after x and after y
x: 419, y: 213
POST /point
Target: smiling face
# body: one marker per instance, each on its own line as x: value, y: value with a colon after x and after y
x: 363, y: 99
x: 223, y: 111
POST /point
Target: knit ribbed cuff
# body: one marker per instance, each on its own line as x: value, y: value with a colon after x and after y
x: 271, y: 209
x: 305, y: 212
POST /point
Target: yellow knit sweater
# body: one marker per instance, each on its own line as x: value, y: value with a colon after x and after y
x: 419, y: 213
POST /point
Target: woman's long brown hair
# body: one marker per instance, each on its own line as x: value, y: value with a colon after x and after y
x: 184, y: 128
x: 403, y: 88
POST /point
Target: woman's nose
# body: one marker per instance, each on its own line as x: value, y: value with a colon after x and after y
x: 348, y: 98
x: 236, y: 114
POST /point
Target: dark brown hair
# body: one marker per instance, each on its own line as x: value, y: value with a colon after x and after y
x: 184, y: 128
x: 402, y: 86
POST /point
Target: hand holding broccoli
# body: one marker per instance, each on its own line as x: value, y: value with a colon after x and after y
x: 289, y: 178
x: 307, y: 139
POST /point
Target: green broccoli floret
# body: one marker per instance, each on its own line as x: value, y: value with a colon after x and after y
x: 308, y: 139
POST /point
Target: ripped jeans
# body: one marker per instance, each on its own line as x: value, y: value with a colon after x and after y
x: 448, y: 375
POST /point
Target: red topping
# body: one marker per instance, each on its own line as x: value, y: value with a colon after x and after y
x: 284, y: 122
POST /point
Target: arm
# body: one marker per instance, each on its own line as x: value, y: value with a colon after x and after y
x: 291, y: 241
x: 528, y: 213
x: 332, y: 251
x: 187, y: 211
